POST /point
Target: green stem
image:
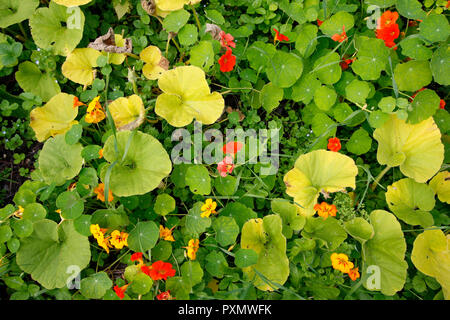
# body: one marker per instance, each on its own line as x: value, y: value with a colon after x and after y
x: 196, y: 18
x: 378, y: 178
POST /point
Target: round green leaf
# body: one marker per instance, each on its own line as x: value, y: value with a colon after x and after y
x: 74, y: 134
x: 13, y: 11
x: 412, y: 75
x: 141, y: 284
x: 304, y: 89
x: 328, y: 69
x: 328, y: 230
x: 440, y: 65
x: 70, y: 204
x: 176, y: 20
x: 23, y: 228
x: 162, y: 250
x: 271, y: 96
x: 195, y: 224
x: 5, y: 233
x: 324, y: 98
x: 143, y: 237
x: 192, y: 272
x: 202, y: 55
x: 82, y: 225
x: 359, y: 229
x: 96, y: 285
x: 424, y: 105
x: 415, y: 49
x: 411, y: 9
x: 51, y: 250
x: 34, y: 212
x: 371, y: 59
x: 387, y: 104
x: 306, y: 40
x: 226, y: 186
x: 216, y: 264
x: 435, y: 27
x: 164, y: 204
x: 245, y: 258
x: 357, y: 91
x: 377, y: 118
x: 284, y: 69
x: 226, y: 230
x: 198, y: 180
x: 359, y: 143
x: 188, y: 35
x: 335, y: 23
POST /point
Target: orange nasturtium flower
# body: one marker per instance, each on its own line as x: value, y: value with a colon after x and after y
x: 279, y: 36
x: 227, y: 61
x: 340, y: 262
x: 100, y: 192
x: 119, y: 239
x: 192, y: 248
x: 325, y: 210
x: 164, y: 295
x: 77, y: 103
x: 100, y: 153
x: 166, y: 233
x: 354, y: 274
x: 340, y: 37
x: 95, y: 113
x: 120, y: 291
x: 208, y: 208
x: 160, y: 270
x: 334, y: 144
x: 387, y: 19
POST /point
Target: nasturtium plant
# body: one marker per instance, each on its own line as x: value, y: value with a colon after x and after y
x: 411, y: 202
x: 49, y: 33
x: 79, y: 65
x: 31, y: 79
x: 416, y: 148
x: 328, y: 69
x: 12, y: 11
x: 360, y: 229
x: 371, y: 59
x: 412, y: 75
x: 186, y: 95
x: 316, y: 172
x: 264, y: 236
x: 431, y: 256
x: 50, y: 250
x: 284, y: 69
x: 155, y: 63
x: 441, y: 186
x: 328, y: 230
x: 128, y: 113
x: 96, y: 285
x: 440, y: 65
x: 386, y: 251
x: 138, y: 165
x: 56, y: 117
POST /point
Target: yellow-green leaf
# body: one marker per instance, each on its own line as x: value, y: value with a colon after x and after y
x: 318, y: 171
x: 128, y: 113
x: 56, y: 116
x: 155, y: 63
x: 71, y: 3
x: 186, y: 95
x: 79, y: 65
x: 416, y: 148
x: 441, y: 186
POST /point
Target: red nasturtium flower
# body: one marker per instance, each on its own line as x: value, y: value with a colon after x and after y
x: 334, y: 144
x: 77, y: 103
x: 226, y: 40
x: 227, y: 61
x: 226, y: 166
x: 387, y: 19
x: 345, y: 63
x: 120, y: 291
x: 442, y: 104
x: 161, y: 270
x: 137, y: 256
x: 279, y: 36
x: 319, y: 22
x: 387, y: 28
x: 165, y: 296
x: 232, y: 147
x: 340, y: 37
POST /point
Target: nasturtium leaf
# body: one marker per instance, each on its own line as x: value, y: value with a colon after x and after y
x: 202, y: 55
x: 265, y: 237
x: 186, y: 95
x: 164, y: 204
x: 155, y: 63
x: 192, y: 272
x: 318, y: 171
x: 359, y: 229
x: 387, y: 104
x: 56, y: 116
x: 179, y: 288
x: 371, y: 59
x: 142, y: 162
x: 337, y: 22
x: 271, y: 96
x: 245, y: 258
x: 321, y: 124
x: 440, y: 65
x: 327, y: 68
x: 215, y: 16
x: 424, y: 105
x: 195, y: 224
x: 411, y: 9
x: 260, y: 54
x: 328, y: 230
x: 359, y: 143
x: 411, y: 202
x: 13, y: 11
x: 198, y: 180
x: 226, y: 230
x: 49, y: 33
x: 96, y: 285
x: 31, y: 79
x: 175, y: 20
x: 412, y: 75
x: 162, y: 250
x: 82, y: 225
x: 141, y: 284
x: 170, y: 5
x: 386, y: 250
x: 442, y: 119
x: 381, y: 3
x: 325, y: 97
x: 72, y: 3
x: 113, y: 57
x: 226, y: 186
x: 74, y: 134
x: 128, y: 113
x: 284, y: 69
x: 306, y: 40
x: 58, y: 161
x: 435, y: 27
x: 416, y: 148
x: 51, y: 250
x: 292, y: 221
x: 216, y: 264
x: 431, y: 256
x: 143, y: 237
x: 377, y: 118
x: 91, y: 152
x: 22, y: 228
x: 79, y: 65
x: 34, y: 212
x: 303, y: 90
x: 110, y: 218
x: 344, y: 114
x: 88, y: 176
x: 441, y: 186
x: 71, y: 205
x: 239, y: 212
x: 188, y: 35
x: 357, y: 91
x: 5, y: 233
x: 415, y: 49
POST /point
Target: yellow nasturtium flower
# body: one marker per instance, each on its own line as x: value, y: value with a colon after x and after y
x: 56, y: 116
x: 79, y: 65
x: 186, y: 95
x: 192, y: 248
x: 119, y: 239
x: 94, y: 112
x: 340, y: 262
x: 166, y: 233
x: 208, y: 208
x: 127, y: 113
x: 155, y: 63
